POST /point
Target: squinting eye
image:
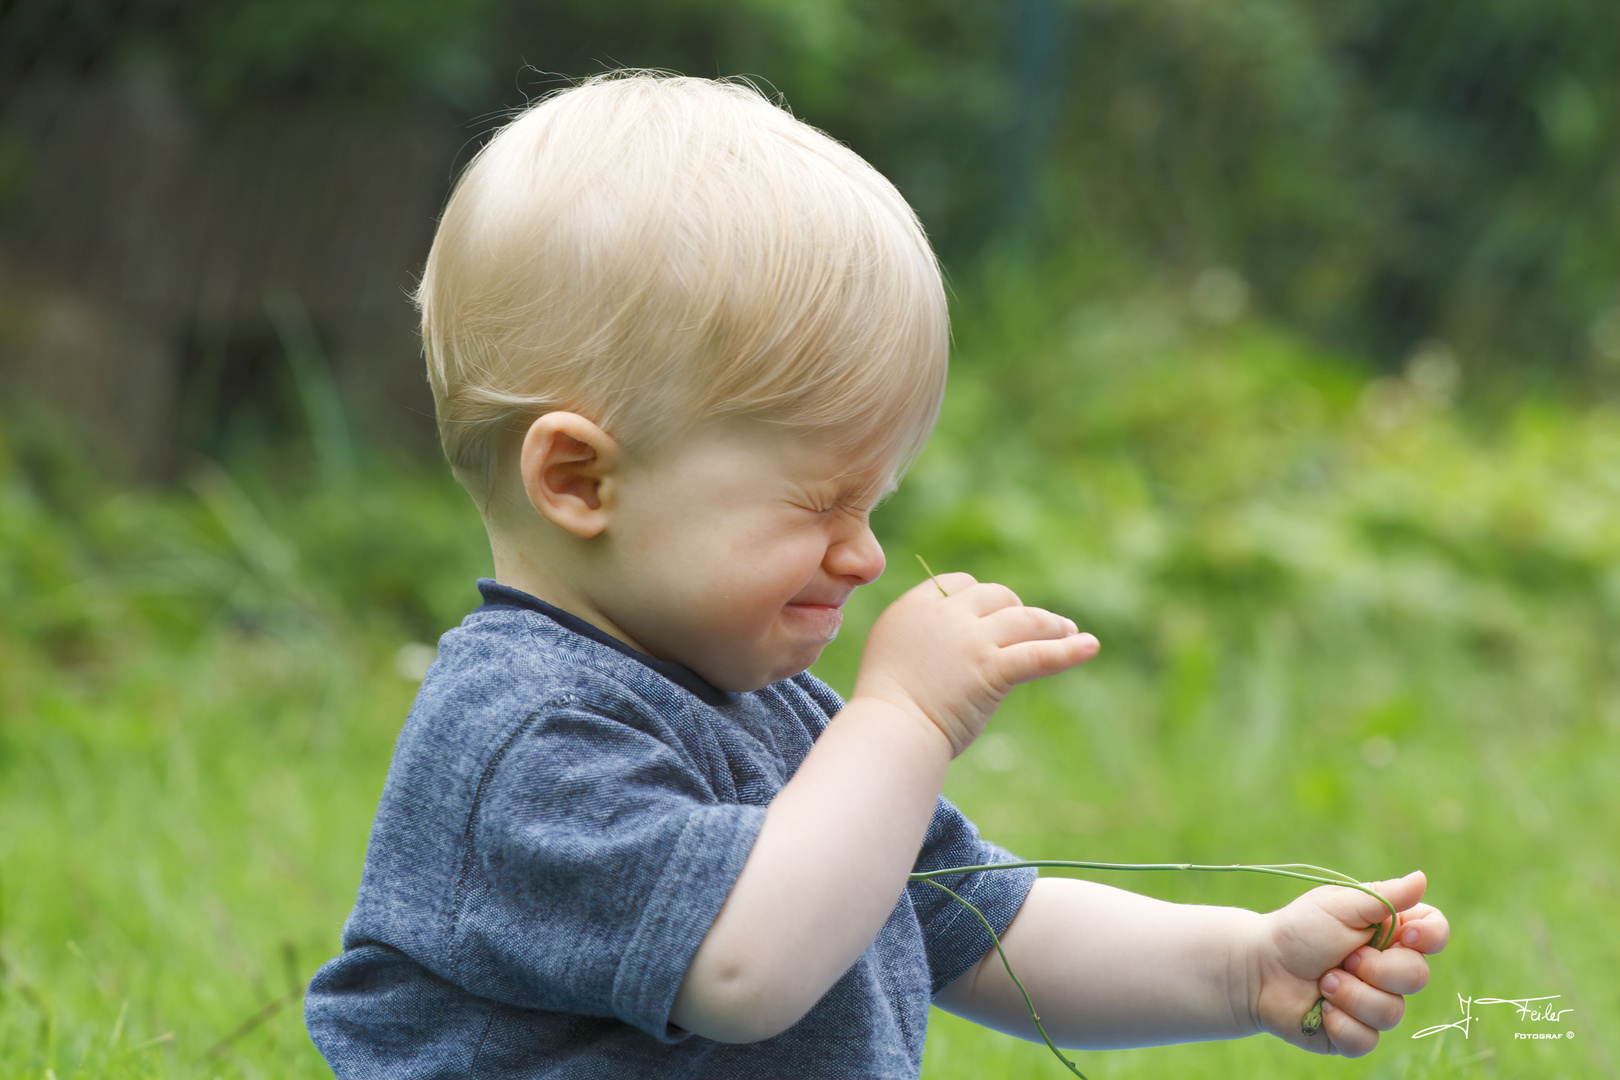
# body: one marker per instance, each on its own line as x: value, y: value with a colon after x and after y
x: 859, y: 509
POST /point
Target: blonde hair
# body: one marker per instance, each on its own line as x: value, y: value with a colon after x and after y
x: 657, y: 252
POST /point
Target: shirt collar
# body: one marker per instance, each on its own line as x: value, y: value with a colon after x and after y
x: 497, y: 595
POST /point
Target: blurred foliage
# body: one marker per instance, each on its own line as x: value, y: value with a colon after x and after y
x: 1232, y: 475
x: 1196, y: 471
x: 1375, y: 172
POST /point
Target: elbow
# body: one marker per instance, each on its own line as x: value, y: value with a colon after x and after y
x: 742, y: 1027
x: 738, y: 1005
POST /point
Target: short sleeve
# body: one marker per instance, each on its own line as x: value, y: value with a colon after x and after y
x: 953, y: 938
x: 597, y: 857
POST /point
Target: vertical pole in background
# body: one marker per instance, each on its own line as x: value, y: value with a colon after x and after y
x: 1041, y: 55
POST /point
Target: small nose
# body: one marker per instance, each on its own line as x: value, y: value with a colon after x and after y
x: 857, y: 555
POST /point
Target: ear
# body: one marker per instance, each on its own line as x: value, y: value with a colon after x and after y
x: 569, y: 468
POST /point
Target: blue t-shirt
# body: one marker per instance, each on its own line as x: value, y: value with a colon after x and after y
x: 562, y: 821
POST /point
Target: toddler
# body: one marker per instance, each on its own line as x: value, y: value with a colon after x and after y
x: 681, y: 345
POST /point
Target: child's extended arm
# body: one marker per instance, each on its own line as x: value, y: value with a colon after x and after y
x: 839, y: 839
x: 1108, y: 968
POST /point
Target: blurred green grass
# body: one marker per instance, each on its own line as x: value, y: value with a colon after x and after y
x: 1343, y: 622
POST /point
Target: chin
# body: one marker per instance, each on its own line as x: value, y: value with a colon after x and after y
x: 794, y: 669
x: 738, y: 682
x: 734, y: 681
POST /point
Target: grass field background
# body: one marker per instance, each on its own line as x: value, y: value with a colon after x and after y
x: 1344, y: 621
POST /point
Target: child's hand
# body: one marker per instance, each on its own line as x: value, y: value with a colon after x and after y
x: 1317, y: 947
x: 951, y: 659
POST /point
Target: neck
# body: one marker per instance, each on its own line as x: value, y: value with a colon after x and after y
x: 556, y: 572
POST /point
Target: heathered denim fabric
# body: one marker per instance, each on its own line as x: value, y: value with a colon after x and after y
x: 561, y: 823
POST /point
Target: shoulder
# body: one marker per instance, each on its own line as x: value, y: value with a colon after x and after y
x: 509, y: 678
x: 518, y: 720
x: 507, y: 660
x: 823, y: 697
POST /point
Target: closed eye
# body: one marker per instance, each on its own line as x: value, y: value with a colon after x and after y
x: 861, y: 502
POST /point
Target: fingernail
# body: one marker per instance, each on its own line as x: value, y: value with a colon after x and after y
x: 1327, y: 1006
x: 1410, y: 937
x: 1330, y: 983
x: 1351, y: 962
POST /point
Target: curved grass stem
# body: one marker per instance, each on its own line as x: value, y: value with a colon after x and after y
x: 1028, y: 1004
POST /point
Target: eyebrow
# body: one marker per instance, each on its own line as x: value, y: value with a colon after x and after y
x: 875, y: 494
x: 850, y: 481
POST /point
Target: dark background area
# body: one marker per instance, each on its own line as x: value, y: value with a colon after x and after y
x: 194, y: 194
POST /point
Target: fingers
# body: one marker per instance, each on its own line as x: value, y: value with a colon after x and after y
x: 1013, y: 621
x: 1365, y: 995
x: 1034, y: 643
x: 1355, y: 1012
x: 1396, y: 971
x: 980, y: 597
x: 983, y: 639
x: 1011, y: 625
x: 1423, y: 929
x: 1345, y: 1034
x: 1031, y: 660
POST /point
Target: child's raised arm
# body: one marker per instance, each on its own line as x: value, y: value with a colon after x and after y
x: 839, y: 839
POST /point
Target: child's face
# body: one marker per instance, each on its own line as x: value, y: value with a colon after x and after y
x: 733, y: 551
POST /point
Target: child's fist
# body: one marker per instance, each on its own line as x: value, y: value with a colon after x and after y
x: 952, y: 658
x: 1318, y: 948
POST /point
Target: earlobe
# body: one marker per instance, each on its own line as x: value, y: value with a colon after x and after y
x: 569, y: 468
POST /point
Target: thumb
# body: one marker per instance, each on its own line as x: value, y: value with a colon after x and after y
x: 1358, y: 909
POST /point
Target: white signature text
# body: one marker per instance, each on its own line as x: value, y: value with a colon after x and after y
x: 1535, y: 1010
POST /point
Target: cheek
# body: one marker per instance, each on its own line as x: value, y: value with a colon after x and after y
x: 797, y: 561
x: 751, y: 588
x: 771, y: 555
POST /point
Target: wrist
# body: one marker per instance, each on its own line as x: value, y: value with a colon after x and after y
x: 1246, y: 970
x: 909, y: 718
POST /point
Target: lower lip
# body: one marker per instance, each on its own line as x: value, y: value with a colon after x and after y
x: 819, y: 619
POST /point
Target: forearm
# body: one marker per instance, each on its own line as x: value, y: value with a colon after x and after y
x: 824, y: 874
x: 1109, y: 968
